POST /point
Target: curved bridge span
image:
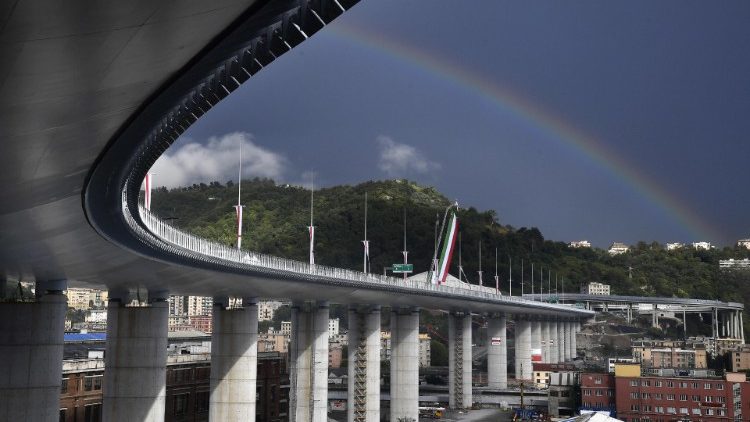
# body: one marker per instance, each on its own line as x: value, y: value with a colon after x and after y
x: 92, y: 95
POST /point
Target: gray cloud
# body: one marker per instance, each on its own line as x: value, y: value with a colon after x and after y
x: 398, y: 160
x: 217, y: 160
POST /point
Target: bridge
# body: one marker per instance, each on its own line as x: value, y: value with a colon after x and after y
x: 726, y: 317
x: 92, y: 95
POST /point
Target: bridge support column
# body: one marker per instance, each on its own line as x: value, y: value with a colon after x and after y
x: 497, y: 353
x: 31, y: 353
x: 523, y: 348
x: 545, y: 341
x: 569, y: 344
x: 459, y: 361
x: 536, y: 340
x: 742, y: 327
x: 554, y: 357
x: 655, y: 317
x: 136, y: 359
x: 561, y: 341
x: 308, y: 398
x: 574, y: 339
x: 234, y: 361
x: 363, y: 390
x: 715, y: 322
x: 405, y: 364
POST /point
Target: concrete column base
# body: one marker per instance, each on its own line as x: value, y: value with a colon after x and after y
x: 554, y: 356
x: 136, y: 362
x: 234, y: 363
x: 405, y: 365
x: 523, y: 349
x: 363, y: 390
x: 561, y: 341
x: 459, y: 362
x: 31, y: 353
x: 497, y: 353
x: 308, y: 401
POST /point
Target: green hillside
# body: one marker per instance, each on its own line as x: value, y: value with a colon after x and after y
x: 276, y: 217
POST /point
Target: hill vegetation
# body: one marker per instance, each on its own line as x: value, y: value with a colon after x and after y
x: 277, y: 216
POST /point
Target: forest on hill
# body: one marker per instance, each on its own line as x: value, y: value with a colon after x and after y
x: 276, y: 217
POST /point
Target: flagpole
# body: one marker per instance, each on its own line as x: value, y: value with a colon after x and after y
x: 541, y: 283
x: 405, y: 252
x: 480, y: 263
x: 312, y: 226
x: 497, y: 279
x: 510, y: 276
x: 239, y: 201
x: 532, y: 279
x: 365, y: 242
x: 521, y: 277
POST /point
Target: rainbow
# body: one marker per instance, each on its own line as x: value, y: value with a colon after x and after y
x: 515, y: 104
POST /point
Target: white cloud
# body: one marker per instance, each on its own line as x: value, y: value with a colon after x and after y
x: 217, y: 160
x: 398, y: 160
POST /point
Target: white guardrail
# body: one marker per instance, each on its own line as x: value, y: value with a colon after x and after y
x: 193, y: 243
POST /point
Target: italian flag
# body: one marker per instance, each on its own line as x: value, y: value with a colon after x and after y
x: 444, y: 262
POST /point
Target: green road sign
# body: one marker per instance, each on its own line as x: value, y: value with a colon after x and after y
x: 402, y: 268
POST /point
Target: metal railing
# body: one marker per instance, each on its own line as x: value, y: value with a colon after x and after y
x: 254, y: 260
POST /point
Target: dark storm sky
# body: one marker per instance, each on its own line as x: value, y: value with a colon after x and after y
x: 606, y: 121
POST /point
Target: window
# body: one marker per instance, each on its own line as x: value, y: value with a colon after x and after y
x: 646, y: 383
x: 683, y: 397
x: 64, y: 387
x: 586, y: 392
x: 180, y: 404
x: 598, y: 393
x: 709, y: 399
x: 670, y: 384
x: 92, y: 413
x: 657, y: 384
x: 657, y: 396
x: 670, y: 396
x: 709, y: 412
x: 721, y: 399
x: 696, y: 411
x: 683, y: 410
x: 634, y: 395
x: 707, y: 386
x: 598, y: 380
x: 201, y: 401
x: 671, y: 410
x: 633, y: 407
x: 88, y: 383
x: 696, y: 398
x: 646, y: 408
x: 645, y: 395
x: 63, y: 415
x: 98, y: 382
x: 634, y: 383
x: 683, y: 385
x: 719, y: 386
x: 695, y: 385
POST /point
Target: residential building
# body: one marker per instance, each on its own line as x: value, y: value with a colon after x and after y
x: 267, y: 308
x: 78, y: 298
x: 561, y: 393
x: 595, y: 288
x: 98, y: 298
x: 693, y: 396
x: 670, y: 354
x: 273, y: 342
x: 741, y: 358
x: 187, y: 388
x: 579, y: 244
x: 177, y: 305
x: 702, y: 245
x: 743, y: 243
x: 334, y: 355
x: 675, y: 246
x: 541, y: 372
x: 612, y: 361
x: 425, y: 351
x: 201, y: 323
x: 96, y: 315
x: 597, y: 391
x: 286, y: 328
x: 199, y: 305
x: 618, y: 248
x: 179, y: 323
x: 732, y: 264
x: 333, y: 327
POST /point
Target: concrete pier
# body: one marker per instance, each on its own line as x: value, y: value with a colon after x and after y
x: 554, y: 357
x: 536, y: 340
x: 308, y: 397
x: 459, y: 361
x: 523, y: 348
x: 234, y: 361
x: 31, y: 353
x: 569, y: 343
x: 545, y: 341
x: 561, y: 341
x: 363, y: 391
x: 135, y: 359
x: 497, y: 352
x: 405, y: 365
